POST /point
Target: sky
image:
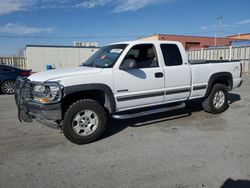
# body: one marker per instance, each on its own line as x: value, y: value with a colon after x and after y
x: 60, y: 22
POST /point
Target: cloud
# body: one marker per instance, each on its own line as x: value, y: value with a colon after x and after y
x: 218, y: 26
x: 247, y: 21
x: 9, y: 6
x: 14, y: 28
x: 92, y: 3
x: 133, y: 5
x: 118, y: 6
x: 224, y: 26
x: 204, y: 27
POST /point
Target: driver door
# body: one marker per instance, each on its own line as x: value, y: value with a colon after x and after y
x: 142, y: 85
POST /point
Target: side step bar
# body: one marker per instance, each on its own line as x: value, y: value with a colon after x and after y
x: 148, y: 112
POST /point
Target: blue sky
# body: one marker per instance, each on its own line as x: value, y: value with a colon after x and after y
x: 106, y: 21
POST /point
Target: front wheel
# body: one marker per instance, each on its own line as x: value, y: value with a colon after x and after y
x: 217, y: 101
x: 8, y: 87
x: 84, y: 121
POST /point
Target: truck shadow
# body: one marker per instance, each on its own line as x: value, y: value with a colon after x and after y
x: 232, y: 98
x: 230, y: 183
x: 115, y: 126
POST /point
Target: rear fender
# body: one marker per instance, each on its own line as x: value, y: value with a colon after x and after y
x: 221, y: 77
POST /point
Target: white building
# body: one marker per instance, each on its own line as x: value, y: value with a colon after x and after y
x: 38, y: 56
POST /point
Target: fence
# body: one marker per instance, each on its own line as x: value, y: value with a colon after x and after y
x: 241, y: 53
x: 19, y: 62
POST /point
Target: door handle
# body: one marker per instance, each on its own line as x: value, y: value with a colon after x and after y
x: 159, y: 75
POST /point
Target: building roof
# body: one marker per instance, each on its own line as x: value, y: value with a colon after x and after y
x: 172, y: 35
x: 243, y: 34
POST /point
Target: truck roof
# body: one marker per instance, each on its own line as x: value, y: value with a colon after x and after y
x: 147, y: 41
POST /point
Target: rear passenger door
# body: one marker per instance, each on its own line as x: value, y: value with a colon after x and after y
x: 177, y: 74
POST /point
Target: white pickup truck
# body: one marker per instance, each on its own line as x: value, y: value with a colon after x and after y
x: 124, y: 80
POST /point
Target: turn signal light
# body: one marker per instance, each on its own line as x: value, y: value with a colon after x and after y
x: 42, y: 100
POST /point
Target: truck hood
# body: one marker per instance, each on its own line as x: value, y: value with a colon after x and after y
x: 56, y: 74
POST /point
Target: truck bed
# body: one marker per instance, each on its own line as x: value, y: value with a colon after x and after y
x: 193, y: 62
x: 203, y: 70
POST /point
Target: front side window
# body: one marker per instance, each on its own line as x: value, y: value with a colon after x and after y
x: 106, y: 56
x: 171, y: 54
x: 144, y: 55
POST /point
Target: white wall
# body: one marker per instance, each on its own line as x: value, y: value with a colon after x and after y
x: 58, y: 56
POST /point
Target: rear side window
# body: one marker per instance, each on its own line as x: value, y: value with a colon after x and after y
x: 171, y: 54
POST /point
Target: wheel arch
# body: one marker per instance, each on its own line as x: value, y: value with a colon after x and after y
x: 224, y: 78
x: 99, y: 92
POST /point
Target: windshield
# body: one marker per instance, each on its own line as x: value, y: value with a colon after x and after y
x: 106, y: 56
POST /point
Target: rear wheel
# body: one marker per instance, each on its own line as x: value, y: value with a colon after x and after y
x: 217, y: 101
x: 84, y: 121
x: 8, y: 87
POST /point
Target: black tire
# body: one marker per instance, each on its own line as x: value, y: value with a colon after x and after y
x: 8, y: 87
x: 75, y: 109
x: 208, y: 103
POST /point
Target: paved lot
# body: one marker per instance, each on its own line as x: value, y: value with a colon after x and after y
x: 175, y: 150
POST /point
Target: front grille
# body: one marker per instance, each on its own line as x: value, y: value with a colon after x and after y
x: 23, y: 88
x: 27, y: 90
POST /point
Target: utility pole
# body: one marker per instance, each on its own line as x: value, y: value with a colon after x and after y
x: 215, y: 38
x: 220, y: 24
x: 219, y: 29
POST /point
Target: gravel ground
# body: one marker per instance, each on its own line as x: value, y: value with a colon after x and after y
x: 175, y: 150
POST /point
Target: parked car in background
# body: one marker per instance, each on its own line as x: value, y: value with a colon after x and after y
x: 8, y: 75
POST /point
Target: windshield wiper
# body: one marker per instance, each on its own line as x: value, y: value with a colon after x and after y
x: 89, y: 65
x: 92, y: 65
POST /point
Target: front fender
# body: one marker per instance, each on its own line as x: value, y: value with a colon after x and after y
x: 109, y: 96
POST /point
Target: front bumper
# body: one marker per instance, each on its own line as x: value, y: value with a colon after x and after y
x: 28, y: 109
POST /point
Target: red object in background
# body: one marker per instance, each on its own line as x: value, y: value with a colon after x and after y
x: 192, y: 42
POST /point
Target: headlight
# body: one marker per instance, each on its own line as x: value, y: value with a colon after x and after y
x: 49, y: 92
x: 39, y: 88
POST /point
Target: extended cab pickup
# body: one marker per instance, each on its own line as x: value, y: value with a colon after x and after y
x: 124, y: 80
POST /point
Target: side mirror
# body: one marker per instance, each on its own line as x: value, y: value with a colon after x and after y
x: 128, y: 64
